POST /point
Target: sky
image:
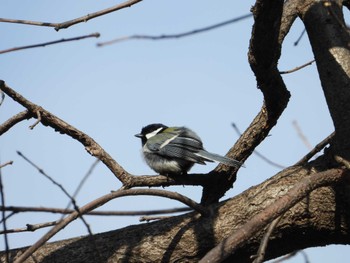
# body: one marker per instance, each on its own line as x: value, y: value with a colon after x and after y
x: 202, y: 81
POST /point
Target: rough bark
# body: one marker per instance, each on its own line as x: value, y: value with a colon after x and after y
x: 322, y: 218
x: 330, y: 41
x: 264, y: 52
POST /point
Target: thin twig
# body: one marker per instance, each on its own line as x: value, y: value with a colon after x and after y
x: 89, y: 172
x: 2, y: 98
x: 34, y: 227
x: 301, y: 135
x: 37, y: 121
x: 7, y: 217
x: 316, y: 149
x: 293, y: 254
x: 5, y: 164
x: 50, y: 43
x: 263, y: 157
x: 28, y: 22
x: 297, y: 68
x: 72, y: 22
x: 24, y: 115
x: 101, y: 201
x: 300, y: 37
x: 3, y: 216
x: 76, y: 208
x: 284, y: 258
x: 29, y: 228
x: 172, y: 36
x: 23, y: 209
x: 263, y: 245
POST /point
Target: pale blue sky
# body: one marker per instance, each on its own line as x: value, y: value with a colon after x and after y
x: 203, y: 82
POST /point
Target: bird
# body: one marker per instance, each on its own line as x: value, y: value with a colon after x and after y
x: 174, y: 150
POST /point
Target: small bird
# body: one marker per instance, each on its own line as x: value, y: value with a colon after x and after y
x: 174, y: 150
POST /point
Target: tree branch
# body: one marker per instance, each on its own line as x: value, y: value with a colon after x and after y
x: 128, y: 180
x: 229, y: 245
x: 322, y: 216
x: 330, y: 40
x: 316, y: 149
x: 3, y: 219
x: 72, y: 22
x: 21, y: 209
x: 5, y: 164
x: 264, y: 242
x: 24, y: 115
x: 264, y: 52
x: 297, y: 68
x: 61, y: 126
x: 175, y: 36
x: 50, y: 43
x: 99, y: 202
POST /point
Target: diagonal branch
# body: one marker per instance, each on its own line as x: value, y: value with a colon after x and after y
x: 24, y: 115
x: 22, y: 209
x: 72, y: 22
x: 229, y: 245
x: 2, y: 165
x: 264, y: 52
x: 175, y: 36
x: 61, y: 126
x: 128, y: 180
x: 101, y: 201
x: 49, y: 43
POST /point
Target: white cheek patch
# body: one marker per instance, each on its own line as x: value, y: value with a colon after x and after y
x: 151, y: 134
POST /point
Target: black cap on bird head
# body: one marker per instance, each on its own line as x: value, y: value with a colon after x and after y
x: 150, y: 130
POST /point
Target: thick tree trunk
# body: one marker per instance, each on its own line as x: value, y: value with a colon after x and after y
x: 330, y: 41
x: 320, y: 219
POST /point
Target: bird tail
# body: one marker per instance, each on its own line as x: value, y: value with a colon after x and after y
x: 218, y: 158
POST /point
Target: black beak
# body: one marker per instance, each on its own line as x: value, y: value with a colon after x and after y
x: 139, y: 135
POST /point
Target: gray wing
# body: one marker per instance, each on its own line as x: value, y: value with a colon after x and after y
x: 183, y: 146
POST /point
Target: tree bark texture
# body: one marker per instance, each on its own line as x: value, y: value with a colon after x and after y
x: 330, y: 42
x: 322, y: 218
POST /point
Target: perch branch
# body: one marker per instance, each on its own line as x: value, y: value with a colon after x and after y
x: 128, y: 180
